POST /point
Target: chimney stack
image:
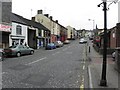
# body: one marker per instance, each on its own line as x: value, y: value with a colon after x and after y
x: 47, y: 15
x: 51, y: 17
x: 56, y: 21
x: 33, y: 18
x: 40, y: 12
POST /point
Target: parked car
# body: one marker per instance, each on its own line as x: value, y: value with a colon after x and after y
x: 18, y: 50
x: 50, y: 46
x: 90, y: 38
x: 58, y: 44
x: 82, y: 40
x: 113, y: 56
x: 1, y: 54
x: 66, y: 42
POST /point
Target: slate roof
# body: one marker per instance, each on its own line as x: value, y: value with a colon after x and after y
x: 19, y: 19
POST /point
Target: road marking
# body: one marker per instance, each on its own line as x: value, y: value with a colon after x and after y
x: 82, y: 87
x: 84, y: 67
x: 82, y: 83
x: 69, y: 46
x: 55, y: 53
x: 65, y: 49
x: 90, y: 77
x: 68, y: 52
x: 84, y: 57
x: 36, y: 61
x: 4, y: 73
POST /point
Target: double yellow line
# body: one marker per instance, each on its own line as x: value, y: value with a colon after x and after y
x: 84, y: 58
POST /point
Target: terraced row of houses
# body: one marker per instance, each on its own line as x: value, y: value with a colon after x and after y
x: 36, y: 33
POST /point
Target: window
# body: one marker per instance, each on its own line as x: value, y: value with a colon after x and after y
x: 19, y: 30
x: 39, y: 32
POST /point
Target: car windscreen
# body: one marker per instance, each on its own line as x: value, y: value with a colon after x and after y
x: 12, y: 46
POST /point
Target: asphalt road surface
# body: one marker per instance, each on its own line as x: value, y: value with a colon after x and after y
x: 64, y: 67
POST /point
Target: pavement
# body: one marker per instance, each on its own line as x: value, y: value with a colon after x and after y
x: 95, y: 71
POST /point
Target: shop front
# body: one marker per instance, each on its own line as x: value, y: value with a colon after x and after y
x: 5, y: 31
x: 42, y: 41
x: 17, y: 40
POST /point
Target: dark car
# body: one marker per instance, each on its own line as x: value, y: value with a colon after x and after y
x: 18, y: 50
x: 90, y: 38
x: 50, y: 46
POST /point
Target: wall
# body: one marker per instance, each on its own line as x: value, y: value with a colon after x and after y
x: 113, y: 38
x: 6, y: 8
x: 119, y: 12
x: 118, y: 35
x: 69, y: 32
x: 43, y: 20
x: 5, y: 12
x: 24, y: 32
x: 0, y: 12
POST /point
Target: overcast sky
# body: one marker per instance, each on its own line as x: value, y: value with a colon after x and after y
x: 68, y: 12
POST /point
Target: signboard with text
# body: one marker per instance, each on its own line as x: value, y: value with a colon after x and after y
x: 5, y: 28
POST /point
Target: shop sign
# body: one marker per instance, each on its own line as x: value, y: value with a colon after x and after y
x: 5, y: 28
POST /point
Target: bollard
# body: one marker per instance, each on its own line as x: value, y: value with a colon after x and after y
x: 89, y: 49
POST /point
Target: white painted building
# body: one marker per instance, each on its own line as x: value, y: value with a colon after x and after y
x: 70, y: 32
x: 18, y: 34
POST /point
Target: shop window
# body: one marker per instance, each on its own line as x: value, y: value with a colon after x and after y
x: 18, y: 30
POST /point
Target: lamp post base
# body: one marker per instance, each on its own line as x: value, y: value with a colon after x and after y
x: 103, y: 83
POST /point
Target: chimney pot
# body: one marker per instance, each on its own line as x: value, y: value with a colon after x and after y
x: 47, y: 15
x: 33, y: 18
x: 50, y: 17
x: 40, y: 12
x: 56, y: 21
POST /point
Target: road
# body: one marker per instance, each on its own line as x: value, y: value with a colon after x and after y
x: 64, y: 67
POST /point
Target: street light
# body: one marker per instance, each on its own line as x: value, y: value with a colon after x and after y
x: 93, y: 22
x: 103, y: 81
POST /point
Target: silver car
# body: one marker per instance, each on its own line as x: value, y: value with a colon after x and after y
x: 18, y: 50
x: 82, y: 40
x: 58, y: 44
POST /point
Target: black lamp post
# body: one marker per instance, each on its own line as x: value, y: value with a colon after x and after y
x: 103, y: 81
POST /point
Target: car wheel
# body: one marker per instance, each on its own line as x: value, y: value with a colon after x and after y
x: 18, y: 54
x: 31, y: 52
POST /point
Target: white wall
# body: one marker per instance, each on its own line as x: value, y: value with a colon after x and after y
x: 119, y: 12
x: 69, y: 32
x: 24, y: 32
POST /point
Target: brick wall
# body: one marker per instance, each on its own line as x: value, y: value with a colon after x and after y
x: 118, y: 35
x: 113, y: 38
